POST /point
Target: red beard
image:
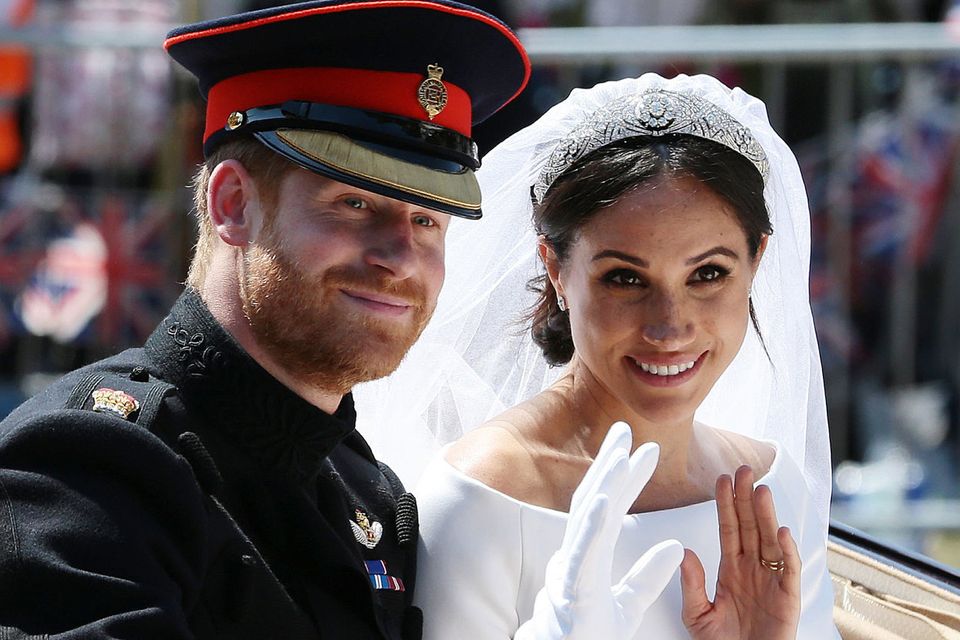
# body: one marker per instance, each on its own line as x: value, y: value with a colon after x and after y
x: 308, y: 329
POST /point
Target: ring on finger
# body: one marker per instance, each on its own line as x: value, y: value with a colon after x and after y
x: 773, y: 565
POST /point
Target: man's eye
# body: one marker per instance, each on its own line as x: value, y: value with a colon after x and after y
x: 424, y: 221
x: 355, y: 203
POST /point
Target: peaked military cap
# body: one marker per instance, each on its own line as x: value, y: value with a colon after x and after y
x: 379, y: 94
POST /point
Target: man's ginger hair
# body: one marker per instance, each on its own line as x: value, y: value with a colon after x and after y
x: 267, y: 169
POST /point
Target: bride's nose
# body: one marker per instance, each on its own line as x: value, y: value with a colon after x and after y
x: 665, y: 325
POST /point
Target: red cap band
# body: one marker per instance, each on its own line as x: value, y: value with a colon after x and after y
x: 387, y: 91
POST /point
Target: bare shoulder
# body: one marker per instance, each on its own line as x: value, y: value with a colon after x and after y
x: 502, y: 455
x: 739, y: 450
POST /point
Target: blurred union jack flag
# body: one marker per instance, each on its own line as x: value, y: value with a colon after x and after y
x: 98, y: 268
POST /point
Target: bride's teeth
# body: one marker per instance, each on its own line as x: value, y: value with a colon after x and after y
x: 665, y: 370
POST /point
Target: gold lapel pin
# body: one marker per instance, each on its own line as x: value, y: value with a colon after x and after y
x: 116, y: 402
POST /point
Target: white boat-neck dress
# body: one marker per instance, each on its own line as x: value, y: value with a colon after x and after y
x: 483, y: 554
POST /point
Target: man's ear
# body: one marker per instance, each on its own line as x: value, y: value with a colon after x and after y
x: 233, y: 204
x: 551, y: 263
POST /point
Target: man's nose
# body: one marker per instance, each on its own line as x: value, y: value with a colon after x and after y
x: 391, y: 247
x: 666, y: 325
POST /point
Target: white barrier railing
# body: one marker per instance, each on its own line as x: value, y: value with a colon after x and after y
x: 588, y: 45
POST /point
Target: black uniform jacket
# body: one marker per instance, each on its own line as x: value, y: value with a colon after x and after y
x: 223, y: 506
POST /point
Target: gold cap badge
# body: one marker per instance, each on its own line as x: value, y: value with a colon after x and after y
x: 235, y: 120
x: 432, y: 94
x: 116, y: 402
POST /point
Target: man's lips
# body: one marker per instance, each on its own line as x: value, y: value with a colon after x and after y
x: 379, y: 302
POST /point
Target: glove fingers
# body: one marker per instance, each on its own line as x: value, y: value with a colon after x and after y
x: 642, y: 464
x: 619, y: 436
x: 584, y: 535
x: 616, y: 444
x: 647, y: 579
x: 614, y: 473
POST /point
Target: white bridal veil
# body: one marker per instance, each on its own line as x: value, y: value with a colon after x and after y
x: 476, y: 357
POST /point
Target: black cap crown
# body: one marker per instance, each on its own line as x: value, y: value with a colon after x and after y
x: 381, y: 94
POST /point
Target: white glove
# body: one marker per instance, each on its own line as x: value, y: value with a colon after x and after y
x: 579, y: 600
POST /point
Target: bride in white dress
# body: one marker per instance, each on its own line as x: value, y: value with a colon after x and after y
x: 650, y: 205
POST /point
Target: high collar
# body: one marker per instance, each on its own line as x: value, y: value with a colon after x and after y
x: 238, y: 397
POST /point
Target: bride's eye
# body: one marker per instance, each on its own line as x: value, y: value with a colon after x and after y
x: 623, y: 278
x: 710, y: 273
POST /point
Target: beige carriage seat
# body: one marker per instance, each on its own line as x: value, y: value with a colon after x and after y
x: 877, y: 598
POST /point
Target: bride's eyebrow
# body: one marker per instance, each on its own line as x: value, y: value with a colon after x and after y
x: 626, y: 257
x: 640, y: 262
x: 719, y: 250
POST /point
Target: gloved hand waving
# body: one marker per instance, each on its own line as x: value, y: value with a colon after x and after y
x: 580, y: 600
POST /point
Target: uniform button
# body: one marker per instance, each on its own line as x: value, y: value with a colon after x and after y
x: 248, y: 560
x: 139, y: 374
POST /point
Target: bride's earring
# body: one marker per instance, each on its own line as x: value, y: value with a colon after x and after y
x: 561, y: 303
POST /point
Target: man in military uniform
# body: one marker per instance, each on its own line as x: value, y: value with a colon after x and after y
x: 210, y: 484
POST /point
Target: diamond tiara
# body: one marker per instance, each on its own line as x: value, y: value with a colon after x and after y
x: 652, y: 113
